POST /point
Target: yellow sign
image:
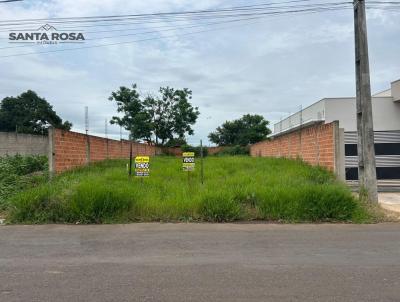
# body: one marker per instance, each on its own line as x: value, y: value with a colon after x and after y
x: 188, y: 162
x: 142, y: 166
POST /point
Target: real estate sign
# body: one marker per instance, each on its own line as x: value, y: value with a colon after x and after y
x: 142, y: 166
x: 188, y: 163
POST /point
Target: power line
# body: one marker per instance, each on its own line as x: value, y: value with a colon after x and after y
x: 108, y: 44
x: 8, y: 1
x: 162, y: 16
x: 142, y: 33
x: 251, y: 16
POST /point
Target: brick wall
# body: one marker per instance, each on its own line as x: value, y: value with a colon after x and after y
x: 214, y: 150
x: 70, y: 149
x: 315, y: 145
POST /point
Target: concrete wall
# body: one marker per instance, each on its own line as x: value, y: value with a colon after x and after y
x: 317, y: 145
x: 12, y: 143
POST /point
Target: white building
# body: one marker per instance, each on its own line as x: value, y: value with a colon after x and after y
x: 386, y: 118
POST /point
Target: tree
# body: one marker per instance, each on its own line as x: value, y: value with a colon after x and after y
x: 29, y: 113
x: 249, y: 129
x: 176, y: 142
x: 136, y: 119
x: 162, y: 117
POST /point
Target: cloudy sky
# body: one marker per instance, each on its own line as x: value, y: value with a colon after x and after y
x: 269, y: 66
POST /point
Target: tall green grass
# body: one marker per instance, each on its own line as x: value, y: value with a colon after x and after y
x: 235, y: 188
x: 18, y: 173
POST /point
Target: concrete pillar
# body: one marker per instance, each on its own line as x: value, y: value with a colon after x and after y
x: 87, y: 149
x: 339, y: 152
x: 51, y: 153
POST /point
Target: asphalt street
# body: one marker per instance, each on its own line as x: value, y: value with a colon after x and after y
x: 200, y: 262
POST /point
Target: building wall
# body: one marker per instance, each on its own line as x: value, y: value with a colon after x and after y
x: 386, y: 113
x: 316, y: 145
x: 314, y: 112
x: 395, y: 90
x: 70, y: 150
x: 12, y: 143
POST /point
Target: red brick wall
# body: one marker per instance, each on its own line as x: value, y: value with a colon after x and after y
x: 214, y: 150
x: 69, y: 149
x: 314, y: 144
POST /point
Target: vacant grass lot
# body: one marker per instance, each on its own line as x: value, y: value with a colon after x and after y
x: 235, y: 188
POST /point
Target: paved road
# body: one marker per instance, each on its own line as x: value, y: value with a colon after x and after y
x: 200, y: 262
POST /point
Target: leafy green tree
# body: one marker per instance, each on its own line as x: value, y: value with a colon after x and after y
x: 176, y: 142
x: 162, y: 117
x: 29, y: 113
x: 136, y: 119
x: 247, y: 130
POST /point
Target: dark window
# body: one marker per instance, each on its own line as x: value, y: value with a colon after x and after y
x: 350, y: 150
x: 387, y: 149
x: 381, y: 173
x: 351, y: 173
x: 380, y: 149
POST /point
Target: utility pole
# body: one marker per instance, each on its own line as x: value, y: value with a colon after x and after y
x: 365, y: 127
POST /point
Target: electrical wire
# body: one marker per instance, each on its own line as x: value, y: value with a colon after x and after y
x: 223, y: 15
x: 8, y: 1
x: 226, y: 12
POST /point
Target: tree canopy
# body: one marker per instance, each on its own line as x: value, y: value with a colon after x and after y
x: 155, y: 118
x: 29, y: 113
x: 249, y: 129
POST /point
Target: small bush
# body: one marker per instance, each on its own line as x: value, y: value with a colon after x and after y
x: 234, y: 150
x: 220, y: 208
x: 196, y: 150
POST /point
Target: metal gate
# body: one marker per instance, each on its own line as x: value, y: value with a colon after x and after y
x: 387, y: 149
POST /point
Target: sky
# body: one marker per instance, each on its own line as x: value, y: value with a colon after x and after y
x: 269, y: 66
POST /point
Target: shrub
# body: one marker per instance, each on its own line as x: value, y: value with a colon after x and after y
x: 196, y: 150
x: 234, y: 150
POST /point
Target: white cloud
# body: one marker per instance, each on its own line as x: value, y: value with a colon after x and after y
x: 269, y: 67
